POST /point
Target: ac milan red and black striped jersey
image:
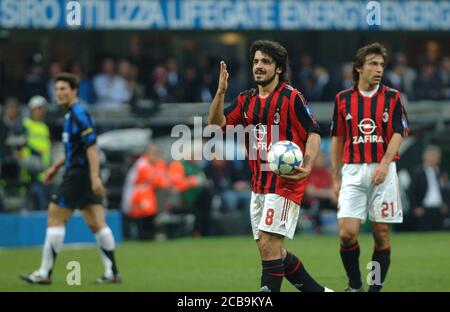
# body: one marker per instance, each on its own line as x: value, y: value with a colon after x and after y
x: 284, y: 108
x: 368, y: 123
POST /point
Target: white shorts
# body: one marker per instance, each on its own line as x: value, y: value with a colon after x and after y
x: 358, y: 196
x: 274, y: 214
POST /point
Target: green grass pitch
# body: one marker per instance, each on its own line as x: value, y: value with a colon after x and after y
x: 420, y: 262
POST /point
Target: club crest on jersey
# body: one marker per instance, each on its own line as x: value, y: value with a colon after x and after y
x: 385, y: 117
x: 367, y: 127
x: 260, y: 132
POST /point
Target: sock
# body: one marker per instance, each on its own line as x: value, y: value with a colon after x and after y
x: 295, y: 272
x: 54, y: 239
x: 272, y: 275
x: 383, y: 257
x: 350, y: 259
x: 105, y: 240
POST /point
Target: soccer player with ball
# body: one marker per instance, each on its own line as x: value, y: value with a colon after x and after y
x: 273, y: 106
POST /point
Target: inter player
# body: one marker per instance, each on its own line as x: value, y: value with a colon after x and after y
x: 369, y: 124
x: 275, y: 201
x: 81, y: 188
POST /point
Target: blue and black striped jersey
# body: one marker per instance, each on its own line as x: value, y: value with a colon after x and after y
x: 78, y: 134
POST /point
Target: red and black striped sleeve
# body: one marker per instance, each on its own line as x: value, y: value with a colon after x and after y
x: 399, y: 118
x: 233, y: 112
x: 338, y: 123
x: 304, y: 115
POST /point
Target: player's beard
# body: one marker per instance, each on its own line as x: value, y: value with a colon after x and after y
x: 266, y: 82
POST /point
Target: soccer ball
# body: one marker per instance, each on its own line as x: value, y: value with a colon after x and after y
x: 283, y: 156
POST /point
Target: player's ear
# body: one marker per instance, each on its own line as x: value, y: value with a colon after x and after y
x: 279, y: 70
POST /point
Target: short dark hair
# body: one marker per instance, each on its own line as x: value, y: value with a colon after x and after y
x: 71, y: 79
x: 275, y: 51
x: 360, y: 57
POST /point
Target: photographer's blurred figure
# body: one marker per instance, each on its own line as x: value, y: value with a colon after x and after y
x: 12, y: 140
x: 139, y: 196
x: 36, y: 155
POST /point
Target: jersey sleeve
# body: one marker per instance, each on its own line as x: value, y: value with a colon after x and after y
x: 399, y: 118
x: 233, y: 112
x: 305, y: 115
x: 338, y: 123
x: 87, y: 128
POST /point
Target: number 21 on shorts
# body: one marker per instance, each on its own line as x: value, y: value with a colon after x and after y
x: 386, y: 208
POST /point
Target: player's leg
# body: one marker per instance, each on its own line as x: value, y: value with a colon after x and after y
x: 54, y: 238
x: 94, y: 216
x: 270, y: 246
x: 279, y: 220
x: 350, y: 251
x: 352, y: 211
x: 295, y: 272
x: 381, y: 252
x: 385, y: 207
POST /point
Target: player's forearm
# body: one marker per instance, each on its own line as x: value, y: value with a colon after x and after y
x: 94, y: 161
x: 337, y: 148
x: 312, y: 150
x: 216, y: 116
x: 392, y: 149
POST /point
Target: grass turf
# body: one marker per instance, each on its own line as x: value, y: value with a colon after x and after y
x: 420, y: 262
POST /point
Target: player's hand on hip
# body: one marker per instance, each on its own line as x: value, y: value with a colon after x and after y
x: 298, y: 175
x: 49, y: 174
x: 380, y: 173
x: 97, y: 187
x: 223, y: 79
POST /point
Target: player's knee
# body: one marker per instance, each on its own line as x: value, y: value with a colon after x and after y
x: 381, y: 238
x: 270, y: 246
x: 348, y: 237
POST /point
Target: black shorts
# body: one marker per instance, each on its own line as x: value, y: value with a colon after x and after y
x: 75, y: 191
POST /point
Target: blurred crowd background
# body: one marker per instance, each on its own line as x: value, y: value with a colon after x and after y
x: 146, y: 82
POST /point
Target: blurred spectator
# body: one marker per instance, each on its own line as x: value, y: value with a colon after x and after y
x: 12, y: 140
x: 159, y: 90
x: 191, y: 85
x: 139, y: 199
x: 230, y: 183
x: 305, y: 71
x: 85, y: 92
x: 54, y: 69
x: 37, y: 152
x: 206, y: 96
x: 34, y: 82
x: 432, y: 54
x: 130, y: 73
x: 428, y: 85
x: 444, y: 76
x: 173, y: 79
x: 428, y: 193
x: 138, y: 57
x: 110, y: 88
x: 401, y: 76
x: 320, y: 78
x: 189, y: 178
x: 345, y: 81
x: 319, y: 192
